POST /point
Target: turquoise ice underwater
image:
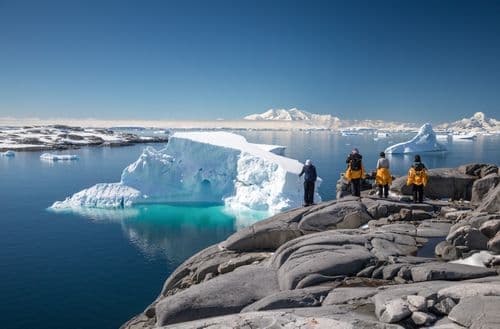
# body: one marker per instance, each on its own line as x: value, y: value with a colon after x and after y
x: 99, y: 269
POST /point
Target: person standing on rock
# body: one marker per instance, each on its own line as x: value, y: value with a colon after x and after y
x: 355, y: 171
x: 383, y: 177
x: 310, y: 176
x: 417, y: 178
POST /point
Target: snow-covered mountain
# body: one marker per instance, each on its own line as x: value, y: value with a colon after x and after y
x: 477, y: 123
x: 320, y: 120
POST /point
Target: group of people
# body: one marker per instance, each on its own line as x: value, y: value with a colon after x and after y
x: 355, y: 172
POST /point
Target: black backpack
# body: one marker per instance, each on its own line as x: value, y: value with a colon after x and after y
x: 356, y: 163
x: 419, y: 166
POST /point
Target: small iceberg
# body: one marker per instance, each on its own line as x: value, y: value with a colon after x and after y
x: 8, y: 153
x: 59, y: 157
x: 424, y: 141
x: 469, y: 136
x: 203, y: 167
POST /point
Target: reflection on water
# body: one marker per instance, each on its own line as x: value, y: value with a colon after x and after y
x: 173, y: 231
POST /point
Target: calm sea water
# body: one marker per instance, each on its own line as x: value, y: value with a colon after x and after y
x: 98, y: 268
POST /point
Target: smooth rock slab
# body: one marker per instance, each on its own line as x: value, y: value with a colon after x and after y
x: 325, y: 260
x: 302, y: 318
x: 307, y: 297
x: 482, y: 186
x: 383, y: 248
x: 225, y: 294
x: 433, y: 229
x: 461, y: 290
x: 349, y: 295
x: 477, y: 312
x: 268, y: 234
x: 491, y: 202
x: 448, y: 271
x: 350, y: 214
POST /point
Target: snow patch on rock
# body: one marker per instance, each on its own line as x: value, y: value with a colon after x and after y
x: 424, y: 141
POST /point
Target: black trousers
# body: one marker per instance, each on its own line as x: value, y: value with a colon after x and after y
x: 418, y: 193
x: 308, y: 192
x: 356, y: 187
x: 383, y: 190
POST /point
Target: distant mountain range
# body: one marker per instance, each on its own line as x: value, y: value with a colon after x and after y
x: 324, y: 121
x: 477, y: 123
x: 320, y: 120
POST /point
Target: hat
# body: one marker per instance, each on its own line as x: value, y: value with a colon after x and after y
x: 354, y: 151
x: 308, y: 162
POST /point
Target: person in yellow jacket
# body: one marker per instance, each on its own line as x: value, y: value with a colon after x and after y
x: 417, y: 178
x: 355, y: 171
x: 383, y: 177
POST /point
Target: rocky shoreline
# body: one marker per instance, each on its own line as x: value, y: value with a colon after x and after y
x: 62, y: 137
x: 351, y: 263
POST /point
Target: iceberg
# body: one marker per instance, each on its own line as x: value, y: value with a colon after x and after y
x: 424, y: 141
x: 8, y: 153
x: 58, y: 157
x: 207, y: 167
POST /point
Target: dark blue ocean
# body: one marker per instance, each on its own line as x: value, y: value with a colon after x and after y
x: 98, y: 269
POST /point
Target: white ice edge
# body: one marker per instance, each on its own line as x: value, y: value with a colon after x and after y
x: 217, y: 167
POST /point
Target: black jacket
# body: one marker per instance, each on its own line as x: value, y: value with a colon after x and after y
x: 309, y: 173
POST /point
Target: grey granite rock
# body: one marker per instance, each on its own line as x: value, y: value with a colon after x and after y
x: 394, y: 310
x: 418, y: 302
x: 423, y: 318
x: 307, y: 297
x: 433, y: 229
x: 448, y: 271
x: 329, y: 260
x: 225, y: 294
x: 490, y: 228
x: 268, y: 234
x: 447, y: 251
x: 444, y: 306
x: 470, y: 289
x: 468, y: 237
x: 477, y: 312
x: 349, y: 295
x: 347, y: 214
x: 482, y: 186
x: 491, y: 201
x: 494, y: 243
x: 443, y: 183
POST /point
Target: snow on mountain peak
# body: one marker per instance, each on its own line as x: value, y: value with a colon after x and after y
x: 294, y: 114
x: 424, y: 141
x: 479, y: 116
x: 478, y: 123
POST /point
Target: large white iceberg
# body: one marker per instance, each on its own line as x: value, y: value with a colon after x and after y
x: 214, y: 167
x: 424, y: 141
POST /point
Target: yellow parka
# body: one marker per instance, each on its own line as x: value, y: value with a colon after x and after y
x: 417, y: 177
x: 383, y: 177
x: 354, y: 174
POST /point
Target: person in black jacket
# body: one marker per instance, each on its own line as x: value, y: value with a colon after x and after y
x: 310, y: 176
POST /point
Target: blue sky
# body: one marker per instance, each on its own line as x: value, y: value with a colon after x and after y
x: 394, y: 60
